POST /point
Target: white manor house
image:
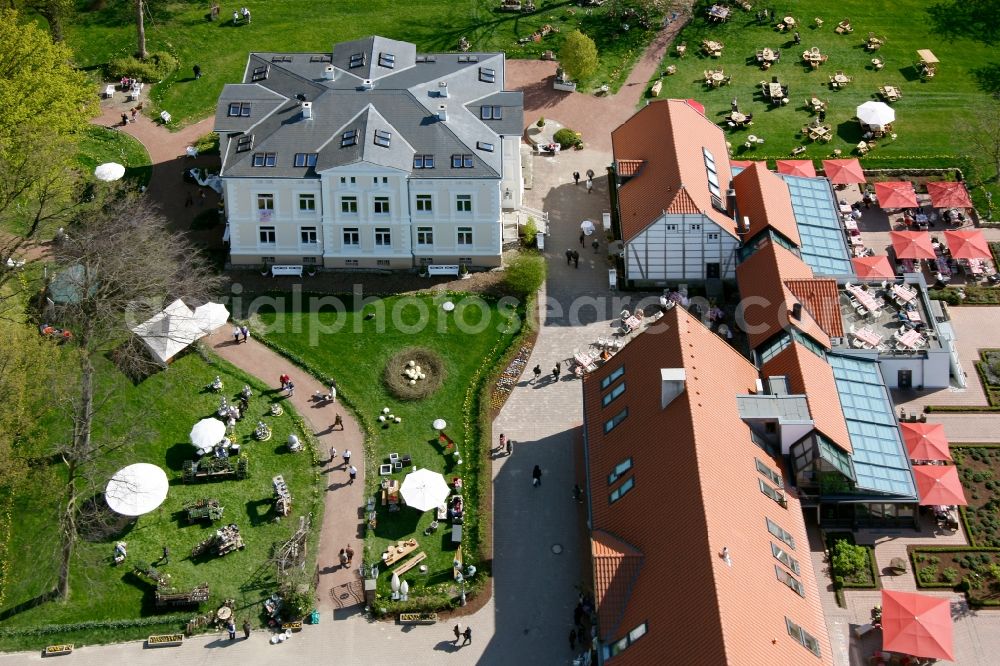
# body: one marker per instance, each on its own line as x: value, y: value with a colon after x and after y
x: 372, y: 156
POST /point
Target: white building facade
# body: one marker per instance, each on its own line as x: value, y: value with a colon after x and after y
x: 370, y: 157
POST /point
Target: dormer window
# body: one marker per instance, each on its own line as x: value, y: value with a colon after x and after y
x: 382, y: 138
x: 357, y: 60
x: 487, y: 75
x: 423, y: 161
x: 461, y: 161
x: 349, y: 138
x: 260, y: 73
x: 239, y: 109
x: 386, y: 60
x: 491, y: 112
x: 265, y: 159
x: 244, y: 143
x: 305, y: 159
x: 483, y: 145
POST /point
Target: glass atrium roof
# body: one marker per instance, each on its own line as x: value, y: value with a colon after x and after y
x: 880, y: 460
x: 823, y: 248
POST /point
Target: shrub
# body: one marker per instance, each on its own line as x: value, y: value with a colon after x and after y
x: 578, y: 55
x: 525, y: 273
x: 848, y: 559
x: 154, y: 68
x: 296, y: 604
x: 530, y: 232
x: 949, y: 296
x: 398, y: 384
x: 208, y: 144
x: 541, y: 122
x: 950, y: 575
x: 566, y: 138
x: 927, y: 574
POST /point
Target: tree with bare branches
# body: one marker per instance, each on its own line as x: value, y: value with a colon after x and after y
x: 982, y: 132
x: 125, y: 267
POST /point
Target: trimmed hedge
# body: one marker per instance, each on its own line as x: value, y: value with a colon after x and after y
x: 177, y: 619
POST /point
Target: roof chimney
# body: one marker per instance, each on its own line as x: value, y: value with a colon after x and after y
x: 366, y: 84
x: 797, y: 311
x: 307, y: 109
x: 329, y: 72
x: 442, y: 112
x: 731, y: 200
x: 443, y: 89
x: 671, y: 385
x: 746, y: 224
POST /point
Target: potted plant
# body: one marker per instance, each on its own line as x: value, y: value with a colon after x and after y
x: 265, y: 270
x: 541, y: 122
x: 463, y: 272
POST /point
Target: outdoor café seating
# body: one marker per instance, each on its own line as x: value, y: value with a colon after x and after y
x: 839, y: 80
x: 844, y: 27
x: 712, y: 48
x: 890, y: 93
x: 718, y: 13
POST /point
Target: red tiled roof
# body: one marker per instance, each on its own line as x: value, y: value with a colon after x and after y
x: 761, y: 278
x: 764, y: 198
x: 628, y: 167
x: 812, y: 376
x: 821, y: 298
x: 696, y: 492
x: 668, y: 136
x: 616, y: 566
x: 683, y: 204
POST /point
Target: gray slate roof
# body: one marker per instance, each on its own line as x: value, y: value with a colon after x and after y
x: 404, y: 100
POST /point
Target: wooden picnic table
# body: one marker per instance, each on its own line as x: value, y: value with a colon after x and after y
x: 712, y: 47
x: 737, y: 117
x: 890, y: 93
x: 774, y: 91
x: 818, y: 132
x: 398, y: 551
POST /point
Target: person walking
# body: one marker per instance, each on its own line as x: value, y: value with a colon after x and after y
x: 246, y: 629
x: 244, y: 331
x: 590, y: 174
x: 333, y: 455
x: 343, y: 558
x: 333, y: 393
x: 536, y: 476
x: 197, y: 71
x: 350, y: 554
x: 590, y: 185
x: 468, y: 636
x: 134, y: 112
x: 347, y: 456
x: 576, y: 259
x: 458, y: 632
x: 353, y: 473
x: 572, y: 639
x: 338, y: 421
x: 569, y: 256
x: 231, y: 628
x: 556, y: 370
x: 576, y: 177
x: 283, y: 379
x: 583, y: 240
x: 189, y: 201
x: 537, y: 370
x: 166, y: 556
x: 236, y: 337
x: 290, y: 389
x: 503, y: 443
x: 510, y: 446
x: 246, y: 15
x: 596, y: 245
x: 124, y: 119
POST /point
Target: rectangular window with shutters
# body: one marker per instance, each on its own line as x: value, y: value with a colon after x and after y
x: 383, y: 237
x: 352, y: 237
x: 307, y: 203
x: 465, y: 235
x: 425, y: 235
x: 267, y: 236
x: 381, y: 205
x: 425, y: 203
x: 308, y: 236
x: 349, y: 205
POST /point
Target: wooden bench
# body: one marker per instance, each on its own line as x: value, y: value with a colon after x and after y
x: 289, y: 269
x: 409, y: 564
x: 442, y: 269
x: 165, y: 117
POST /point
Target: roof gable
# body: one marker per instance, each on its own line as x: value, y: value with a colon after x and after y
x: 763, y: 197
x: 616, y: 567
x: 821, y: 298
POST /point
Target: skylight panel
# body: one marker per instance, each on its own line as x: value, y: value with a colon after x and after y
x: 357, y: 60
x: 349, y: 138
x: 382, y: 138
x: 244, y: 143
x: 483, y: 145
x: 387, y: 60
x: 487, y: 74
x: 260, y: 73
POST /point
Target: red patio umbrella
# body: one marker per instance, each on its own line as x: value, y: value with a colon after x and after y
x: 802, y: 168
x: 896, y: 194
x: 873, y: 268
x: 925, y: 441
x: 945, y: 194
x: 917, y: 624
x: 967, y: 244
x: 842, y: 172
x: 912, y: 244
x: 938, y: 484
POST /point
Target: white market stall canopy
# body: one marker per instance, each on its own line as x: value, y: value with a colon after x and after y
x: 170, y: 331
x: 211, y: 316
x: 136, y: 489
x: 424, y: 490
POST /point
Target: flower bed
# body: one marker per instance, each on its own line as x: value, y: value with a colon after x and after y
x: 418, y: 618
x: 165, y: 640
x: 979, y: 470
x: 53, y: 650
x: 974, y: 571
x: 508, y: 379
x: 864, y: 578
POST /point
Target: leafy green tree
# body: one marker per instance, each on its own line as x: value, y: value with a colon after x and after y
x: 525, y: 273
x: 578, y: 56
x: 848, y: 559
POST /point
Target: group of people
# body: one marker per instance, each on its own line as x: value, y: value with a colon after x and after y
x: 346, y: 556
x: 590, y: 179
x: 286, y: 384
x: 243, y: 13
x: 240, y: 334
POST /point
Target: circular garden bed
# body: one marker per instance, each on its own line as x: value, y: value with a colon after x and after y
x: 402, y: 378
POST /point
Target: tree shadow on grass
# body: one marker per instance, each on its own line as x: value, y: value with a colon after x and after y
x: 987, y: 78
x: 260, y: 511
x: 28, y: 605
x: 178, y: 454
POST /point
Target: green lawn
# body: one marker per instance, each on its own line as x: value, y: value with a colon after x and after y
x: 158, y: 414
x: 99, y: 145
x: 355, y: 355
x: 926, y: 116
x: 307, y: 25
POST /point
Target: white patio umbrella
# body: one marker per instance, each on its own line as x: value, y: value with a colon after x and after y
x: 136, y: 489
x: 876, y: 114
x: 394, y: 583
x: 424, y: 490
x: 207, y: 433
x: 588, y: 227
x: 439, y: 424
x: 109, y: 171
x: 211, y: 316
